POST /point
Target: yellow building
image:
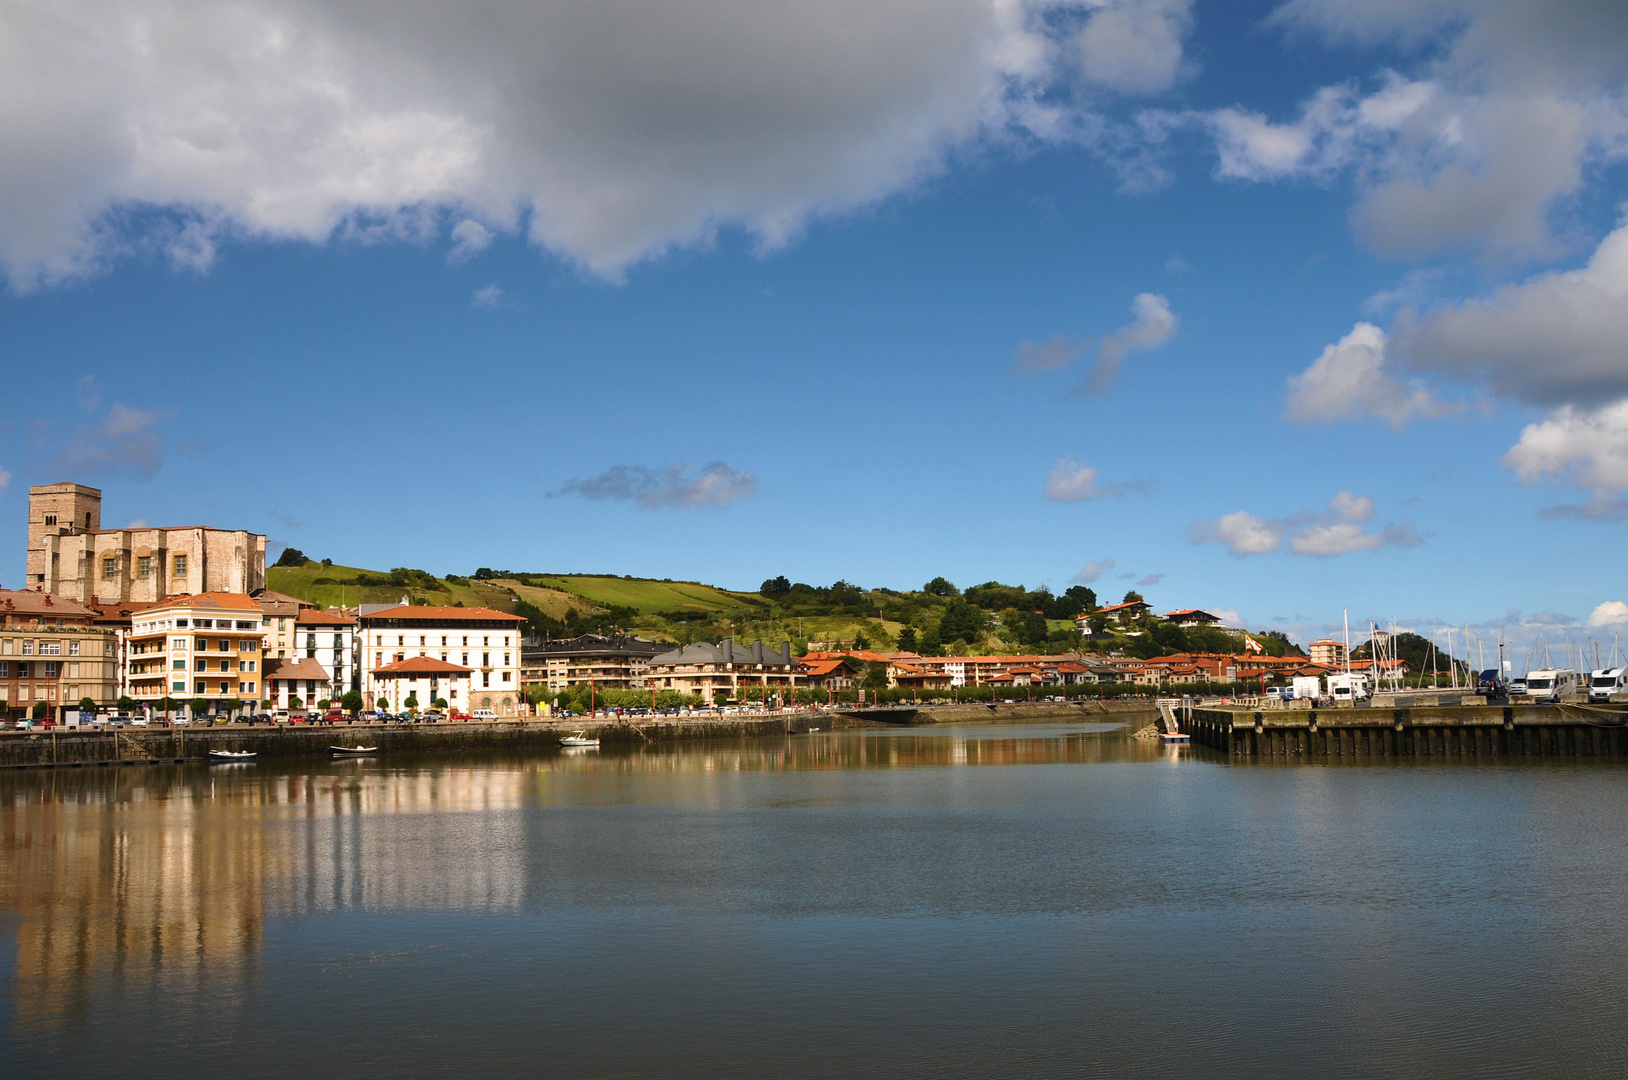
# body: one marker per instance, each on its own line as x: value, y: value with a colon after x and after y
x: 208, y: 646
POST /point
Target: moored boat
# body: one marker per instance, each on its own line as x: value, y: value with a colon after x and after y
x: 353, y: 751
x: 579, y: 739
x: 231, y: 755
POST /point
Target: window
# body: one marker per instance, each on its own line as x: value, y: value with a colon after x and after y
x: 22, y: 669
x: 225, y: 688
x: 400, y: 641
x: 505, y: 659
x: 226, y: 665
x: 242, y: 665
x: 485, y: 641
x: 144, y: 567
x: 223, y: 645
x: 466, y: 641
x: 178, y: 665
x: 51, y: 669
x: 245, y: 646
x: 485, y: 659
x: 73, y: 648
x: 50, y: 648
x: 378, y: 659
x: 179, y: 644
x: 180, y: 570
x: 202, y: 665
x: 465, y: 660
x: 50, y: 519
x: 251, y: 686
x: 251, y: 665
x: 421, y: 639
x: 486, y: 678
x: 505, y: 641
x: 282, y: 624
x: 443, y: 639
x: 5, y: 669
x: 202, y: 644
x: 28, y: 647
x: 179, y: 687
x: 505, y: 676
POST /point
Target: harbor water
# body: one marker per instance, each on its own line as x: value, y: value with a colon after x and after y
x: 1027, y: 900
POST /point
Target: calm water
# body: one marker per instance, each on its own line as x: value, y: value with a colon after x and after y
x: 1007, y: 900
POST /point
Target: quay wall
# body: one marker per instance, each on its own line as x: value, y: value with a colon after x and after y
x: 1526, y: 730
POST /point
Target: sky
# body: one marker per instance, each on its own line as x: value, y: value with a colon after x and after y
x: 1277, y: 309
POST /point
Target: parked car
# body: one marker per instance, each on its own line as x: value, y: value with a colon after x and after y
x: 1490, y: 684
x: 280, y: 716
x: 1517, y: 687
x: 431, y: 716
x: 483, y: 714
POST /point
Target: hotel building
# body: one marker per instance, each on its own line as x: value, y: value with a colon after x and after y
x: 207, y: 646
x: 484, y: 641
x: 52, y: 652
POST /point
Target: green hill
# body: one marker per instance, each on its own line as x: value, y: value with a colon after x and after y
x: 644, y: 595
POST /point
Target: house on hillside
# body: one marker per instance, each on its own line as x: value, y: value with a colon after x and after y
x: 1115, y: 614
x: 1192, y: 617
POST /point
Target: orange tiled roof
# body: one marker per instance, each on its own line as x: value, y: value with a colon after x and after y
x: 422, y: 665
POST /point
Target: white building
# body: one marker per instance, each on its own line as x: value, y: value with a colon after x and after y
x: 329, y: 638
x: 305, y: 680
x: 486, y: 642
x: 419, y: 682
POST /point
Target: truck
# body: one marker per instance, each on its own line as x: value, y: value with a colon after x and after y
x: 1305, y: 688
x: 1603, y: 682
x: 1550, y: 684
x: 1348, y: 689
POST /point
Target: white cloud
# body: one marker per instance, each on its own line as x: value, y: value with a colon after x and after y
x: 1150, y: 579
x: 469, y: 238
x: 1512, y: 103
x: 1154, y: 325
x: 5, y: 481
x: 1609, y: 614
x: 1586, y: 448
x: 1350, y: 381
x: 489, y: 296
x: 1093, y: 570
x: 1049, y: 355
x: 1134, y: 46
x: 669, y: 487
x: 609, y: 131
x: 124, y: 442
x: 1070, y: 481
x: 1337, y: 532
x: 1556, y: 338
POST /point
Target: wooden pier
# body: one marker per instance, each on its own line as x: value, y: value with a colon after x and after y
x: 1482, y: 731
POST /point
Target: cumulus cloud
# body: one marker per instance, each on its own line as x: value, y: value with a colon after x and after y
x: 1512, y: 103
x: 1554, y: 339
x: 1093, y: 570
x: 1340, y: 530
x: 1150, y: 579
x: 489, y: 296
x: 1587, y: 449
x: 125, y: 442
x: 1609, y: 614
x: 1154, y: 325
x: 5, y: 481
x: 608, y: 131
x: 1072, y: 482
x: 669, y: 487
x: 1351, y: 381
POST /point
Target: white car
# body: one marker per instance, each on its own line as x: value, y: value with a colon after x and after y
x: 138, y: 721
x: 483, y: 714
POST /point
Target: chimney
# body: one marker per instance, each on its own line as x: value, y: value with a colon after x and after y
x: 757, y: 651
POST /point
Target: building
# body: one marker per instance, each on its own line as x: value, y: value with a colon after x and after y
x: 297, y: 684
x: 72, y: 556
x: 278, y: 613
x: 707, y: 670
x: 1192, y: 617
x: 485, y: 642
x: 1117, y: 614
x: 830, y: 672
x: 208, y: 646
x: 52, y: 653
x: 615, y: 660
x: 419, y: 682
x: 328, y: 637
x: 1328, y: 652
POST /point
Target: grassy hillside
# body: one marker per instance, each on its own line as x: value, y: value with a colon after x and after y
x: 335, y: 586
x: 646, y: 596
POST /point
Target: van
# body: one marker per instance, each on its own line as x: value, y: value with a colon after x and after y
x: 1550, y: 684
x: 280, y: 716
x: 483, y: 714
x: 1348, y: 689
x: 1306, y: 688
x: 1604, y: 682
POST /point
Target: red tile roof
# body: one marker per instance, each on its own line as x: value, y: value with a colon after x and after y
x: 422, y: 665
x: 450, y: 614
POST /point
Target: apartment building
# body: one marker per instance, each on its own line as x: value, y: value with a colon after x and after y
x: 208, y: 646
x: 297, y: 684
x: 1328, y: 652
x: 706, y: 670
x: 72, y: 556
x: 328, y: 637
x: 484, y: 641
x: 52, y: 653
x: 614, y: 660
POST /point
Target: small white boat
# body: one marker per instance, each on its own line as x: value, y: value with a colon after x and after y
x: 231, y: 755
x: 352, y: 751
x: 578, y: 740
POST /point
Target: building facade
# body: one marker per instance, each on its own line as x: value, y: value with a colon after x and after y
x: 1328, y: 652
x: 615, y: 660
x: 420, y: 681
x: 330, y: 639
x: 52, y: 653
x: 72, y: 556
x: 708, y: 670
x: 208, y: 646
x: 303, y: 681
x: 484, y: 641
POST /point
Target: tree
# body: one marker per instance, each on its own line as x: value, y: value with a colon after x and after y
x: 323, y: 704
x: 440, y: 703
x: 351, y: 702
x: 775, y: 587
x: 326, y: 563
x: 1133, y: 597
x: 296, y: 702
x: 39, y: 710
x: 291, y: 557
x: 382, y: 704
x: 484, y: 574
x: 720, y: 696
x: 198, y: 705
x: 861, y: 641
x: 411, y: 703
x: 875, y: 676
x: 125, y: 703
x: 961, y: 622
x: 907, y: 639
x: 87, y: 705
x: 931, y: 644
x: 1086, y: 595
x: 940, y: 587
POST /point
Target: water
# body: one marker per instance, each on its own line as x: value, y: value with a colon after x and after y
x: 1047, y: 900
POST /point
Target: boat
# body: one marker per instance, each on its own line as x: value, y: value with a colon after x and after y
x: 352, y: 751
x: 231, y: 755
x: 579, y: 739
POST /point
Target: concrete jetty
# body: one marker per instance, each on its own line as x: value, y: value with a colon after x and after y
x: 1523, y: 730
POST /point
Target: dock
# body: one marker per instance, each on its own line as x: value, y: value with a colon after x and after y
x: 1475, y: 731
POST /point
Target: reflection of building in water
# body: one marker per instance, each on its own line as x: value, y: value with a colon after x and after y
x: 161, y: 879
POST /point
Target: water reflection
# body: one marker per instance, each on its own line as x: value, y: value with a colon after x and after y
x: 164, y: 876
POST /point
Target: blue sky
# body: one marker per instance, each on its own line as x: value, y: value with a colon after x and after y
x: 1272, y: 309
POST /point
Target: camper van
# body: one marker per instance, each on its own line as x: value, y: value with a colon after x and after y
x: 1306, y: 688
x: 1348, y: 689
x: 1607, y: 681
x: 1550, y: 684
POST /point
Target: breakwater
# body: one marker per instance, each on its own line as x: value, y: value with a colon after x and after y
x: 1526, y: 730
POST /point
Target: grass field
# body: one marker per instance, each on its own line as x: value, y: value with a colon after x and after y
x: 301, y: 581
x: 644, y: 595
